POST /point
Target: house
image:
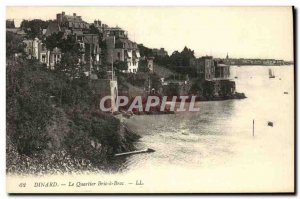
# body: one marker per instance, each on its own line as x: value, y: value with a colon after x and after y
x: 120, y: 48
x: 89, y: 43
x: 35, y: 49
x: 215, y: 74
x: 89, y: 46
x: 44, y: 54
x: 205, y: 67
x: 28, y: 47
x: 68, y: 24
x: 71, y: 21
x: 211, y: 69
x: 53, y: 27
x: 117, y: 32
x: 55, y: 57
x: 32, y: 48
x: 222, y: 71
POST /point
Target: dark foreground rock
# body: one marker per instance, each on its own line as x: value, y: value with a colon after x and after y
x: 220, y: 98
x: 75, y: 151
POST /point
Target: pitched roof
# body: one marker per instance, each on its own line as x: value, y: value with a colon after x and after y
x: 127, y: 43
x: 53, y: 27
x: 56, y: 50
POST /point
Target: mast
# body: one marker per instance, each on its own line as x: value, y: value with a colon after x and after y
x: 149, y: 86
x: 91, y: 59
x: 112, y: 68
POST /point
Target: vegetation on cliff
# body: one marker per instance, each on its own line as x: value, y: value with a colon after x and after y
x: 53, y: 124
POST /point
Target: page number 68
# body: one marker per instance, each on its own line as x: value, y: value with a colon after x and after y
x: 22, y: 184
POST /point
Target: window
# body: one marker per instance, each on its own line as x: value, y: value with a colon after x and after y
x: 125, y: 54
x: 43, y: 58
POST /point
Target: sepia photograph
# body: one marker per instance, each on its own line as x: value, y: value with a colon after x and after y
x: 150, y: 100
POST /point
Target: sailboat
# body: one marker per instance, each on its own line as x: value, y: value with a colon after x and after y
x: 271, y: 73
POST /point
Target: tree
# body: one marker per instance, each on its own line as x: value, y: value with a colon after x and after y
x: 10, y: 24
x: 120, y: 66
x: 54, y: 40
x: 143, y: 66
x: 171, y: 90
x: 34, y: 27
x: 186, y: 55
x: 28, y: 107
x: 69, y: 64
x: 71, y: 53
x: 94, y: 30
x: 155, y: 81
x: 176, y: 58
x: 58, y: 40
x: 14, y: 44
x: 182, y: 58
x: 69, y: 45
x: 144, y: 51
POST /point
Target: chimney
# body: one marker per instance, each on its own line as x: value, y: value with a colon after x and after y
x: 74, y: 14
x: 63, y: 13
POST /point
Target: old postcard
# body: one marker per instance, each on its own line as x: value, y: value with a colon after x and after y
x: 150, y: 100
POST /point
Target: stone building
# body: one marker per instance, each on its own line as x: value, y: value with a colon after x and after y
x: 32, y: 48
x: 222, y: 71
x: 71, y: 21
x: 68, y: 24
x: 215, y: 75
x: 35, y: 49
x: 208, y: 68
x: 120, y: 48
x: 205, y: 67
x: 90, y: 49
x: 89, y: 43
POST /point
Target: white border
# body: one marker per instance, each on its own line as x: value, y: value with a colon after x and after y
x: 5, y: 3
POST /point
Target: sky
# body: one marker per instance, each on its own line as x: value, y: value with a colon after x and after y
x: 242, y: 32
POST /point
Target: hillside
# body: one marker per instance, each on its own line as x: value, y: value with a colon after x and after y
x: 162, y: 71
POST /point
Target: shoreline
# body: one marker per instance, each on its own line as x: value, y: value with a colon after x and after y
x: 156, y: 110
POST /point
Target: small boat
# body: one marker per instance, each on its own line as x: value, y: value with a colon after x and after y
x: 271, y: 73
x: 285, y: 92
x: 148, y: 150
x: 235, y: 77
x: 270, y: 124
